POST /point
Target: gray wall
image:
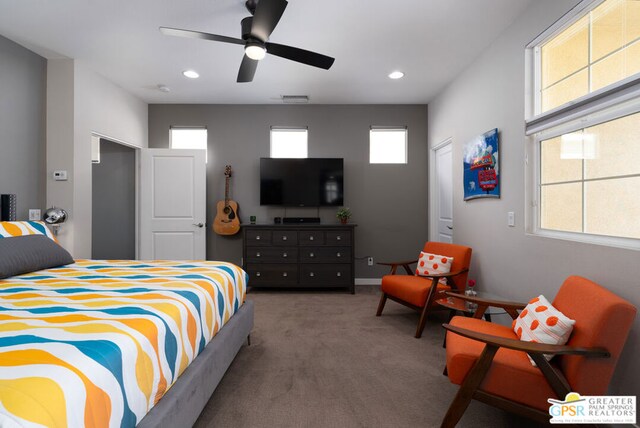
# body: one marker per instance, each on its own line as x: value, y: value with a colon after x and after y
x: 490, y: 94
x: 22, y: 126
x: 114, y: 203
x: 388, y: 202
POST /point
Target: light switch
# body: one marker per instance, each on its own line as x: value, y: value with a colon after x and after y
x: 35, y: 215
x: 511, y: 219
x: 60, y: 175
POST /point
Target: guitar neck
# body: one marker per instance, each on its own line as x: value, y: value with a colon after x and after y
x: 226, y: 192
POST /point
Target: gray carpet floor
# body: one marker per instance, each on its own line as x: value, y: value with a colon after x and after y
x: 323, y: 359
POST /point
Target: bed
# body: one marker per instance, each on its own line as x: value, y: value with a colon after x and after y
x: 114, y: 343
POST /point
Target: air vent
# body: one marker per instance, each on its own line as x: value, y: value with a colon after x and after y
x: 295, y: 99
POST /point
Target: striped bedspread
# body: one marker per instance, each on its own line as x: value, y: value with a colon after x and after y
x: 98, y: 343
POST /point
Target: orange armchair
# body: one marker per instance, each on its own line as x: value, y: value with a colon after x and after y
x: 421, y: 292
x: 491, y: 364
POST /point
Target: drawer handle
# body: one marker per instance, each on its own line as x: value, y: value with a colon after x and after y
x: 258, y: 238
x: 285, y: 274
x: 339, y: 274
x: 257, y: 254
x: 311, y: 238
x: 312, y: 274
x: 338, y: 238
x: 257, y: 273
x: 284, y: 255
x: 338, y: 255
x: 284, y: 238
x: 311, y: 255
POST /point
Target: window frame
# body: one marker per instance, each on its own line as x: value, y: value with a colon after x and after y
x: 288, y: 129
x: 611, y: 102
x: 405, y: 128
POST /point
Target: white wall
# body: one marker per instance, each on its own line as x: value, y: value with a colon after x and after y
x: 490, y: 94
x: 60, y: 142
x: 98, y: 106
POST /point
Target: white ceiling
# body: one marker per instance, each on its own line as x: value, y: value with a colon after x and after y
x: 430, y: 40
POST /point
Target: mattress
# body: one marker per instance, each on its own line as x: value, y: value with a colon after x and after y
x: 98, y: 343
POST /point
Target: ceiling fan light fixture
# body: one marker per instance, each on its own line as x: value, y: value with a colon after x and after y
x: 255, y: 51
x: 191, y: 74
x: 396, y: 75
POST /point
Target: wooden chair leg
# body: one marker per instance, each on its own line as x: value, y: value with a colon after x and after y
x: 425, y: 310
x: 468, y: 388
x: 422, y: 322
x: 383, y: 300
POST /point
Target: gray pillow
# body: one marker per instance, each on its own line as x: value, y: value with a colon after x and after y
x: 24, y: 254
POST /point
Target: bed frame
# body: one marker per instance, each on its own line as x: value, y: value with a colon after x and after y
x: 183, y: 403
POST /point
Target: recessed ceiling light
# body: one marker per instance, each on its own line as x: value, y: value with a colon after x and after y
x: 190, y: 74
x: 396, y: 75
x: 164, y: 88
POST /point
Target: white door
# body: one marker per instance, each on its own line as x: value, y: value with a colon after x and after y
x: 442, y: 193
x: 172, y: 204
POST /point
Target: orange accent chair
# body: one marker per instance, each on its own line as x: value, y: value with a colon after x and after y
x: 421, y: 292
x: 490, y: 364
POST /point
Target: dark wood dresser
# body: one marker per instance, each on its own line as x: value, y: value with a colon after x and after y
x: 299, y: 255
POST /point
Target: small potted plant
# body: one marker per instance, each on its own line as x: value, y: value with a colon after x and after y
x: 344, y: 214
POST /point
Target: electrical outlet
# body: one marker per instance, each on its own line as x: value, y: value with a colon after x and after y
x: 35, y: 215
x: 370, y: 261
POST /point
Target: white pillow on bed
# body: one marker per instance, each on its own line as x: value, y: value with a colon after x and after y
x: 11, y: 229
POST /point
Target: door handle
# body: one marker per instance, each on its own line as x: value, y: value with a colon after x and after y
x: 199, y: 224
x: 449, y: 227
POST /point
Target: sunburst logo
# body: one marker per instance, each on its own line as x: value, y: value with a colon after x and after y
x: 581, y: 409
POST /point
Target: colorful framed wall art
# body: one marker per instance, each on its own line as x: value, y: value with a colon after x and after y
x: 481, y: 167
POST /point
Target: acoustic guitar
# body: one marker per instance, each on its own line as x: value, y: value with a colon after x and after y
x: 226, y: 221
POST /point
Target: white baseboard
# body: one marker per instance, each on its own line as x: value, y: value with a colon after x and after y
x: 368, y: 281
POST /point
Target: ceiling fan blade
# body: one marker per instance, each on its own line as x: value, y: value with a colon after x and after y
x: 300, y: 55
x: 266, y: 17
x: 199, y: 35
x: 247, y: 70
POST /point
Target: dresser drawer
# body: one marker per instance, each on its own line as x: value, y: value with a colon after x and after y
x: 284, y: 237
x: 272, y: 255
x: 272, y: 274
x: 258, y: 237
x: 325, y: 274
x: 311, y: 238
x: 325, y: 255
x: 339, y: 237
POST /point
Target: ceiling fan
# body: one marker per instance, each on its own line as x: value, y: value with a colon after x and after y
x: 256, y: 30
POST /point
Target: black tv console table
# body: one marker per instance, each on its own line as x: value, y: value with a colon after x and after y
x: 299, y: 255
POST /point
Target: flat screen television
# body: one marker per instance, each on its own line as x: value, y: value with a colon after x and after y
x: 310, y: 182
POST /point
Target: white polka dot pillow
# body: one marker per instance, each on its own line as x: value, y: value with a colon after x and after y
x: 431, y: 264
x: 542, y: 323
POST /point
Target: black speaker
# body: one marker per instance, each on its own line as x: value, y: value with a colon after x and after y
x: 8, y: 210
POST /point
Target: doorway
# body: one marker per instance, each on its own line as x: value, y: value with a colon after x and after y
x: 113, y: 231
x: 441, y: 192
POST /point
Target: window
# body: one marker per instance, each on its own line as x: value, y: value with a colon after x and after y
x: 188, y: 138
x: 289, y: 143
x: 599, y: 49
x: 590, y: 180
x: 583, y: 121
x: 388, y: 145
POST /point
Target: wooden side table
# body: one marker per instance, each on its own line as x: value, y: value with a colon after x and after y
x: 456, y: 305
